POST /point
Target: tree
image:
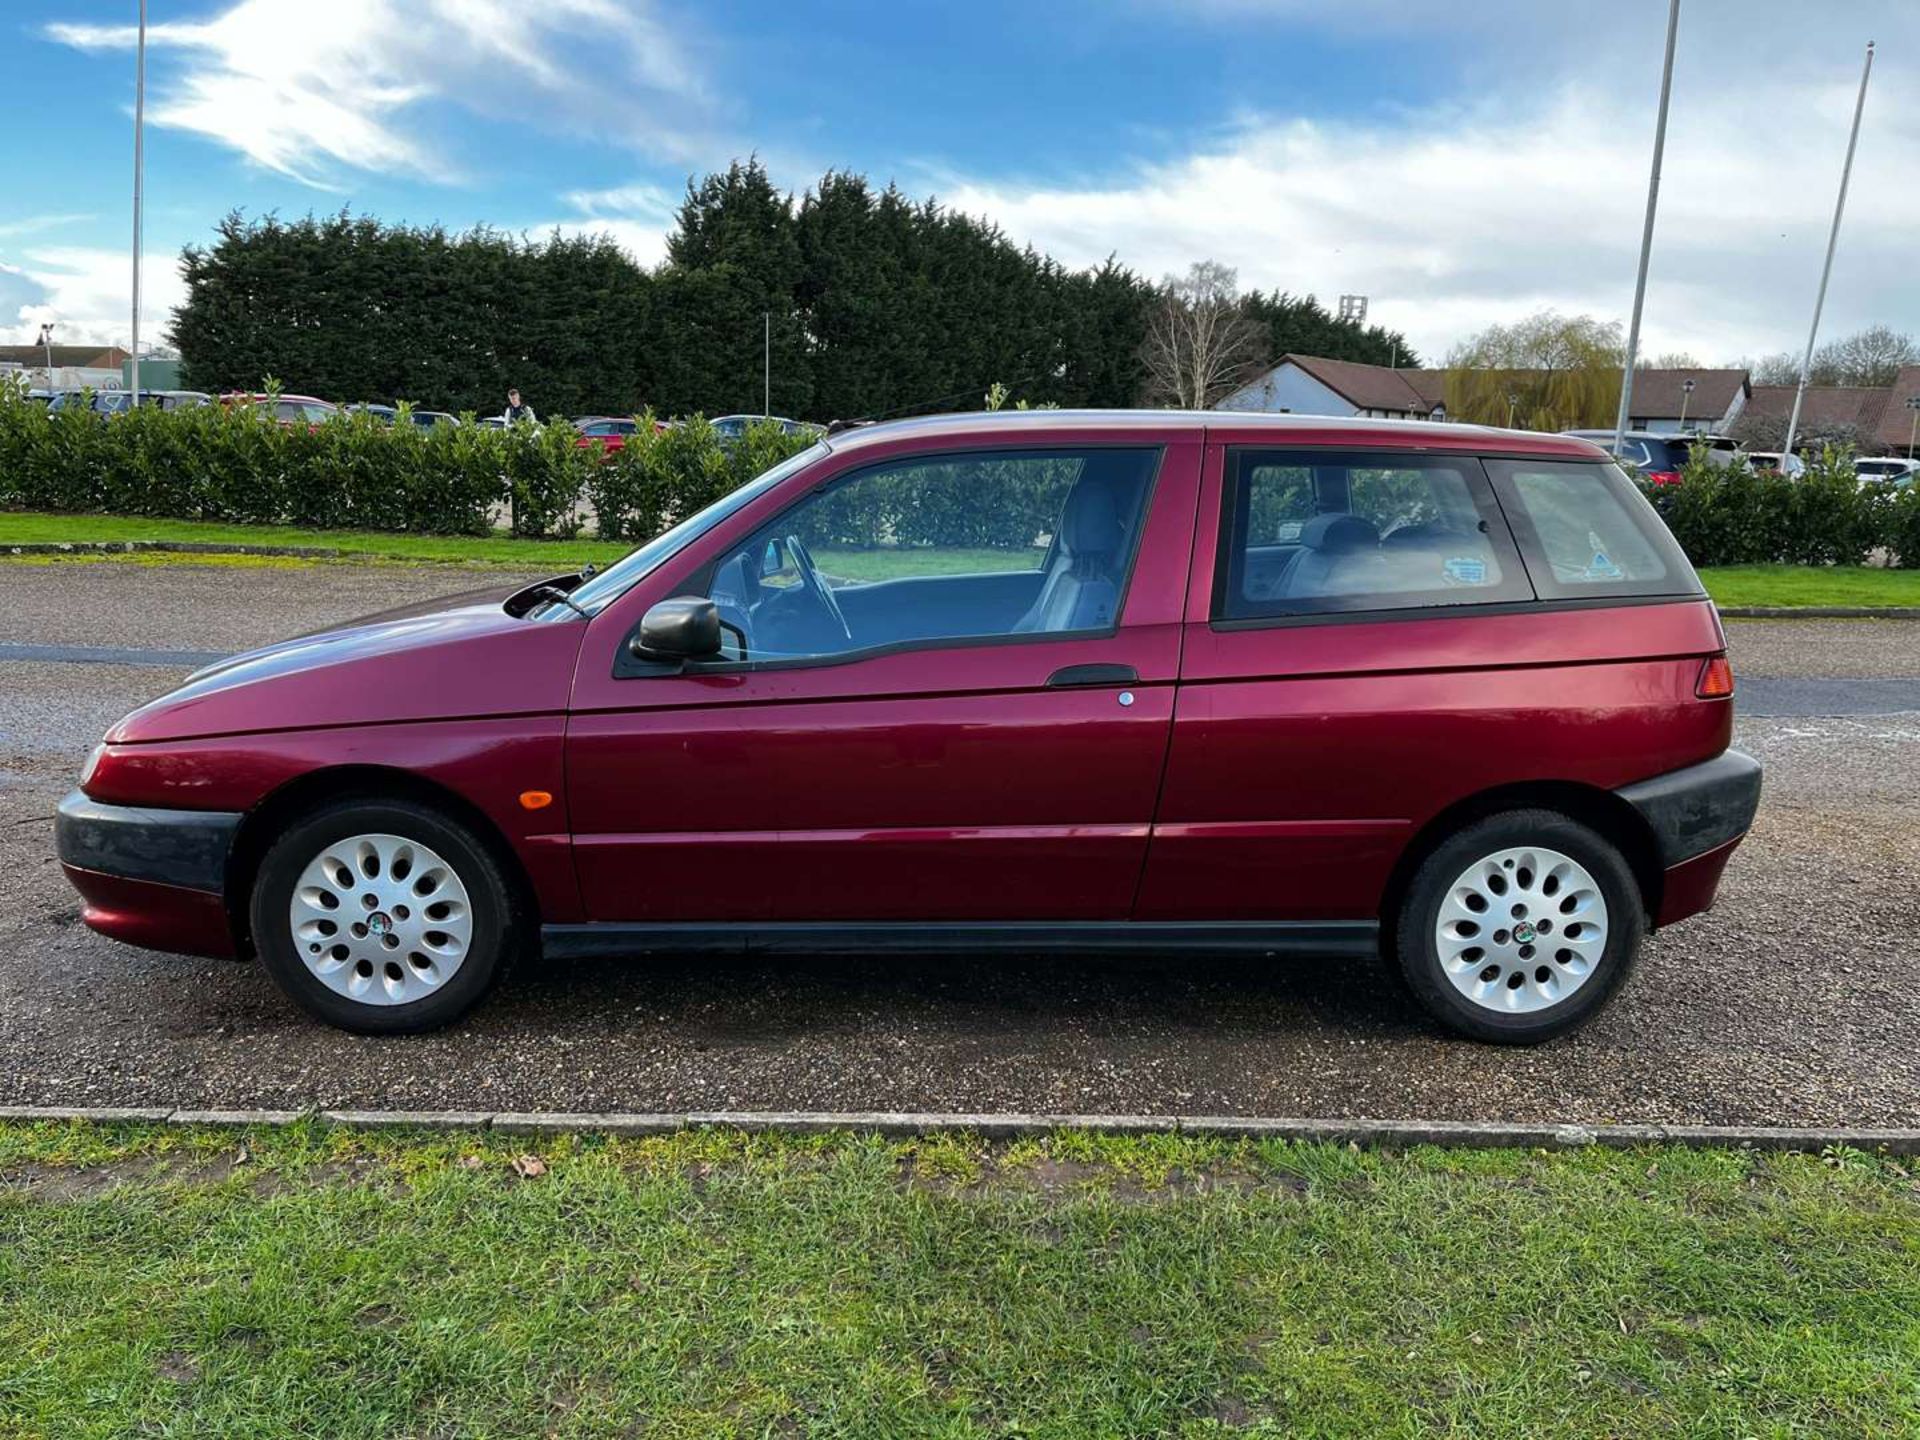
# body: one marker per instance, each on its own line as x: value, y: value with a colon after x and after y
x: 1201, y: 343
x: 1546, y: 372
x: 1670, y: 360
x: 1873, y: 356
x: 1301, y: 325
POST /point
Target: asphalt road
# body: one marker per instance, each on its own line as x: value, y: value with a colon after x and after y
x: 1794, y: 1002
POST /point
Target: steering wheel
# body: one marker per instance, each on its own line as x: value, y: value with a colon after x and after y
x: 810, y: 577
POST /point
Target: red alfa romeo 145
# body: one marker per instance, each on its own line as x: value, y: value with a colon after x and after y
x: 1048, y: 682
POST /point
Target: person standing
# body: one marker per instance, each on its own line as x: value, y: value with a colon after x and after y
x: 516, y: 410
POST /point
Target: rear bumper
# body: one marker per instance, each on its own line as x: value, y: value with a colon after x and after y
x: 1696, y: 816
x: 149, y: 877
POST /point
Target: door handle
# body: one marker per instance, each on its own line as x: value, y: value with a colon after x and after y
x: 1071, y: 676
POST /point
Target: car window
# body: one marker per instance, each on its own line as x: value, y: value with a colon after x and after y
x: 938, y: 548
x: 1586, y: 530
x: 1310, y: 533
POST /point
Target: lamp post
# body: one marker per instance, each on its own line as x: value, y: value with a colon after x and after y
x: 46, y: 343
x: 1513, y: 402
x: 1913, y: 409
x: 1686, y: 394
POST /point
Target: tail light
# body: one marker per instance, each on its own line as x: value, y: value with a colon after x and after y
x: 1664, y: 477
x: 1716, y: 679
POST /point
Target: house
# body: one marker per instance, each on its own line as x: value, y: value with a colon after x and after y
x: 1859, y: 408
x: 1663, y: 402
x: 1312, y: 385
x: 1900, y: 418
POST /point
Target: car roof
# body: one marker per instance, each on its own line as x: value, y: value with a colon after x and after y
x: 1220, y: 426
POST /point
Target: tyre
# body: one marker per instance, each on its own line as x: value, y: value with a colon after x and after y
x: 384, y: 917
x: 1519, y: 927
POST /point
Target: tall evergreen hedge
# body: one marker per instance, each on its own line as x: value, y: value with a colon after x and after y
x: 870, y: 303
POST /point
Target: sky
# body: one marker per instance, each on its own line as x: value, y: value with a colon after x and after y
x: 1459, y: 165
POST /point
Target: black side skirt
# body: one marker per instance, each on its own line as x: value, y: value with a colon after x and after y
x: 1340, y: 939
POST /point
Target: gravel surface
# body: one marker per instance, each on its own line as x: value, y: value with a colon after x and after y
x: 204, y: 607
x: 1794, y: 1002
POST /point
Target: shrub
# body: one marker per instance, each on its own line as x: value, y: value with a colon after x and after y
x: 354, y: 472
x: 1737, y: 516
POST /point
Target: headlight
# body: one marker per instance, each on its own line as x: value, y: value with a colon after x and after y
x: 93, y: 763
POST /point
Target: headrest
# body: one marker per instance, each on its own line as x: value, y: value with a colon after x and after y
x: 1091, y: 524
x: 1338, y: 531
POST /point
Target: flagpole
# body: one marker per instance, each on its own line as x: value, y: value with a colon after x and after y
x: 1833, y: 239
x: 139, y: 125
x: 1646, y: 233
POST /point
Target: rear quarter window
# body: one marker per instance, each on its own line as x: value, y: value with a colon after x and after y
x: 1586, y: 531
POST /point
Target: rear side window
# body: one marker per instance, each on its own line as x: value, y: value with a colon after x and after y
x: 1586, y: 531
x: 1319, y: 532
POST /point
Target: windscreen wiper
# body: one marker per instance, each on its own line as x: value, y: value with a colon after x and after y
x: 555, y: 595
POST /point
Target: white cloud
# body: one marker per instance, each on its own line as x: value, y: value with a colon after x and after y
x: 638, y: 217
x: 33, y: 224
x: 1457, y: 217
x: 87, y: 293
x: 312, y: 90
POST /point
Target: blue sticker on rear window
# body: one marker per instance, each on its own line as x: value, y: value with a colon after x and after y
x: 1465, y: 570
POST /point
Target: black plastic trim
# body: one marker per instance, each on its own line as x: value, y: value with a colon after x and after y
x: 1454, y: 612
x: 1341, y: 939
x: 1068, y: 676
x: 1700, y: 808
x: 187, y: 848
x: 1348, y: 939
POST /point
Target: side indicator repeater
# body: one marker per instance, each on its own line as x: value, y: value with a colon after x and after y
x: 535, y: 799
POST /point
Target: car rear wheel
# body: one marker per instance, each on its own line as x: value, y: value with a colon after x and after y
x: 384, y: 916
x: 1520, y: 927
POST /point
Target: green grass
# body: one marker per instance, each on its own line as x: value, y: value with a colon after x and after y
x: 712, y: 1284
x: 21, y: 527
x: 890, y: 564
x: 1811, y: 585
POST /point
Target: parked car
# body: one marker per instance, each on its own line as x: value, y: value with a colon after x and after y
x: 1661, y: 455
x: 605, y: 433
x: 1771, y: 460
x: 287, y: 409
x: 1892, y: 469
x: 732, y: 427
x: 119, y: 402
x: 1105, y: 681
x: 387, y: 414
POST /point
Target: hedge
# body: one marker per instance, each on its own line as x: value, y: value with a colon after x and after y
x: 1724, y: 515
x: 354, y: 472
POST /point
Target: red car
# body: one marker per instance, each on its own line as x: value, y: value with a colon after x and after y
x: 1047, y: 681
x: 288, y: 409
x: 604, y: 433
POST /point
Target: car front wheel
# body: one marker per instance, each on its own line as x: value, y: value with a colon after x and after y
x: 1519, y: 927
x: 383, y: 917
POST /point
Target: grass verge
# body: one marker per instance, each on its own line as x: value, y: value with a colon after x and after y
x: 324, y: 1281
x: 1801, y: 585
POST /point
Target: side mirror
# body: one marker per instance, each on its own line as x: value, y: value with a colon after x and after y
x: 686, y: 627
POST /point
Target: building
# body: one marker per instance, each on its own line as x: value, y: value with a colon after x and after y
x: 1663, y: 402
x: 1313, y: 385
x: 74, y: 367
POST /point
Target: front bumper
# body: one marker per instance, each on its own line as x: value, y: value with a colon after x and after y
x: 149, y: 877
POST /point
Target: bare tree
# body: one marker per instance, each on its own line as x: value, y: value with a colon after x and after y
x: 1201, y: 343
x: 1868, y: 357
x: 1873, y: 356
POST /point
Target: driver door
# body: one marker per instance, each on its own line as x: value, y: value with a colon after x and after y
x: 947, y: 694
